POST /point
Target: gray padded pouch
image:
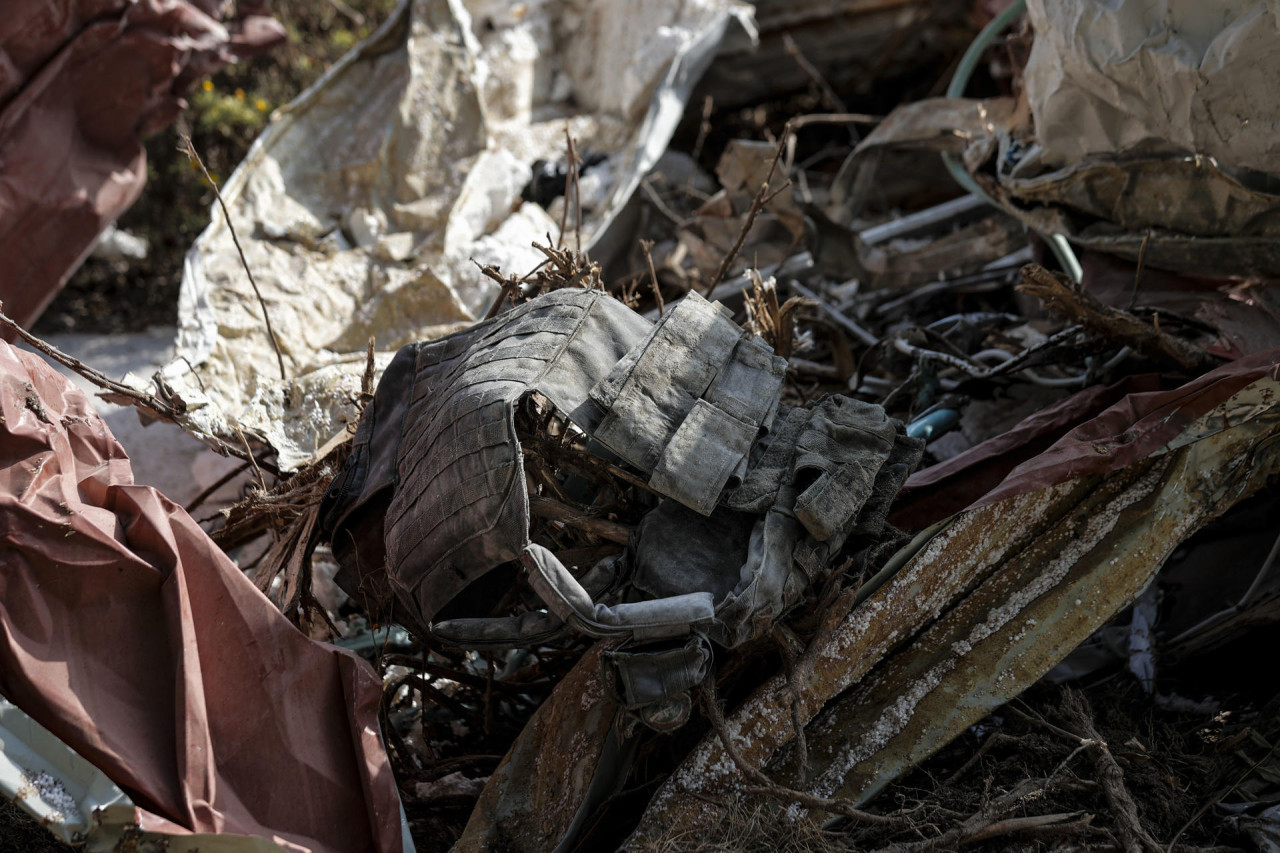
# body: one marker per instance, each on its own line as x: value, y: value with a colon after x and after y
x: 677, y: 550
x: 639, y: 678
x: 841, y: 450
x: 687, y: 405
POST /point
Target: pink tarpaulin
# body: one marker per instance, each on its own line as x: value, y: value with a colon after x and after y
x: 81, y: 82
x: 126, y: 632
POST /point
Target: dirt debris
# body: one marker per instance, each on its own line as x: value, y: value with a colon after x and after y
x: 1096, y: 417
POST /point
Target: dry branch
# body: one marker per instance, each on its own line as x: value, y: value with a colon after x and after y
x: 165, y: 407
x: 190, y: 150
x: 554, y: 510
x: 647, y: 246
x: 1133, y: 835
x: 761, y: 198
x: 765, y: 786
x: 1121, y: 327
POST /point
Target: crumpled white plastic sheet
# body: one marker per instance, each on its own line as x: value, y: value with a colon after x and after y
x: 366, y: 205
x: 1106, y: 76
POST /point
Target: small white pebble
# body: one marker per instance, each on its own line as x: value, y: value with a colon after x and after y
x: 51, y: 791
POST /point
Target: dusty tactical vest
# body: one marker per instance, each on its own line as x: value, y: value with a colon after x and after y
x: 761, y: 499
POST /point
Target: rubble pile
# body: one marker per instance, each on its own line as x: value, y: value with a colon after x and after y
x: 644, y: 450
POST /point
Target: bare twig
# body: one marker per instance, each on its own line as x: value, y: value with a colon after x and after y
x: 1067, y: 823
x: 991, y: 740
x: 703, y: 129
x: 647, y: 246
x: 1120, y: 326
x: 1219, y: 797
x: 1019, y: 360
x: 432, y: 692
x: 217, y: 484
x: 563, y: 268
x: 490, y: 669
x: 825, y: 372
x: 262, y: 481
x: 834, y: 118
x: 553, y: 510
x: 771, y: 321
x: 990, y: 820
x: 1037, y: 720
x: 646, y: 186
x: 281, y: 506
x: 788, y: 642
x: 190, y: 150
x: 757, y: 204
x: 146, y: 401
x: 192, y: 368
x: 366, y: 380
x: 354, y: 16
x: 563, y: 455
x: 828, y: 94
x: 577, y: 198
x: 1137, y: 273
x: 174, y: 411
x: 510, y: 284
x: 775, y: 194
x: 571, y: 186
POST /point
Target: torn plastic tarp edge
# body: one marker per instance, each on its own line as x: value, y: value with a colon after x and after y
x: 44, y: 776
x: 197, y: 326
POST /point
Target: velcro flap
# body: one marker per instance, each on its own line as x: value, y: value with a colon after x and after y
x: 647, y: 397
x: 701, y: 456
x: 749, y: 383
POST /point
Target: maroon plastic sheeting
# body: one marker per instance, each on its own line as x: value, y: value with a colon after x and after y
x: 81, y: 81
x: 126, y: 632
x: 1098, y: 430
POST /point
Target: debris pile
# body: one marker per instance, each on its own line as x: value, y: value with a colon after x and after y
x: 740, y: 505
x: 694, y: 471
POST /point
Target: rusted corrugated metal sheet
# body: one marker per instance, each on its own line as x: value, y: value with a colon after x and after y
x: 533, y: 799
x: 988, y: 605
x: 1098, y: 543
